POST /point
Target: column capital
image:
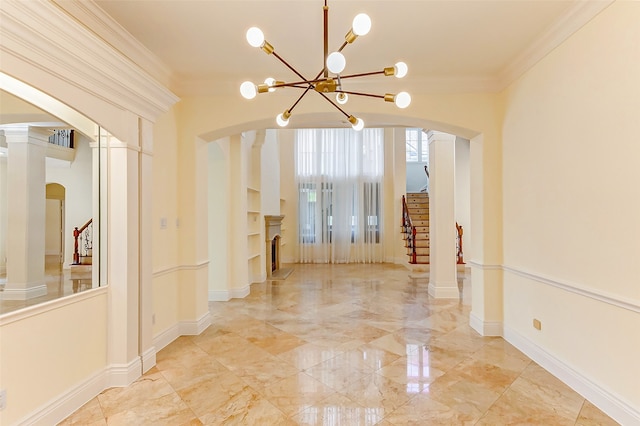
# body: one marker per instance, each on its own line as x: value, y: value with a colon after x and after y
x: 435, y: 135
x: 23, y: 133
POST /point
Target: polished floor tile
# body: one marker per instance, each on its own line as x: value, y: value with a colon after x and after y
x: 342, y: 345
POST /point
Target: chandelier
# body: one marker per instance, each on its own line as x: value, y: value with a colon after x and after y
x: 330, y: 79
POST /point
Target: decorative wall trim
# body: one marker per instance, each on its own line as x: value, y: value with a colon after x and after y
x: 122, y: 375
x: 148, y: 358
x: 23, y: 293
x: 164, y: 338
x: 618, y: 409
x: 618, y: 301
x: 193, y: 328
x: 50, y: 305
x: 177, y: 268
x: 447, y: 291
x: 226, y: 295
x: 46, y: 37
x: 600, y: 296
x: 578, y: 15
x: 485, y: 328
x: 479, y: 265
x: 68, y: 402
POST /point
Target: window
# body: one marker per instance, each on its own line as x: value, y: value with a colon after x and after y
x: 339, y: 174
x: 417, y: 144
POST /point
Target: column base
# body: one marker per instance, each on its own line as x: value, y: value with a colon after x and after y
x: 23, y: 293
x: 446, y: 290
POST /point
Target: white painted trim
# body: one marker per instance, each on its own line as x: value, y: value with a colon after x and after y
x: 177, y: 268
x: 575, y: 18
x: 193, y: 328
x: 447, y: 291
x: 164, y: 338
x: 480, y: 265
x: 485, y: 328
x: 219, y: 296
x: 50, y: 305
x: 122, y: 375
x: 601, y: 296
x: 226, y: 295
x: 614, y: 406
x: 65, y: 404
x: 148, y: 359
x: 23, y: 293
x: 53, y: 42
x: 615, y: 300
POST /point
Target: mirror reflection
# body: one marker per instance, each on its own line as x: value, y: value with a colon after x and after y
x: 49, y: 180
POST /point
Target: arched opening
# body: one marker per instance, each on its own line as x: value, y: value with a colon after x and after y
x: 54, y: 226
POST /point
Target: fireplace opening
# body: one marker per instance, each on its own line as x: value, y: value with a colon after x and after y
x: 274, y: 254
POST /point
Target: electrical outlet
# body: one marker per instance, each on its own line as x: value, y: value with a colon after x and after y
x: 537, y: 324
x: 3, y: 399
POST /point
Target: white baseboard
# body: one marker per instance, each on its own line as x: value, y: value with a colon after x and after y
x: 122, y: 375
x: 148, y: 359
x: 616, y: 408
x: 449, y: 291
x: 485, y: 328
x: 193, y: 328
x: 165, y: 337
x: 226, y: 295
x: 24, y: 294
x: 67, y: 403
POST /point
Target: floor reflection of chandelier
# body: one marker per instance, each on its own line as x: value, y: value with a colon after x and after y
x: 329, y: 79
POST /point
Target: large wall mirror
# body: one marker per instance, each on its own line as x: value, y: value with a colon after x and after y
x: 52, y: 176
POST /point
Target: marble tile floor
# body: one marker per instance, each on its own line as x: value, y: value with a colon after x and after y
x: 342, y: 345
x: 60, y: 282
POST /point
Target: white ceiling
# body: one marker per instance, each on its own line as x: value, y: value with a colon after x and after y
x: 461, y: 41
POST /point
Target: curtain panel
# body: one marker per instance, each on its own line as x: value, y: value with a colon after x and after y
x: 339, y: 176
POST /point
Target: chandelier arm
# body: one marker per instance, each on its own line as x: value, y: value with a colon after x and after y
x: 364, y: 74
x: 298, y: 83
x: 299, y: 99
x: 344, y: 44
x: 371, y: 95
x: 334, y: 104
x: 288, y: 66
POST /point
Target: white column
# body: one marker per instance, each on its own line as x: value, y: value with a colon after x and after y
x: 3, y: 203
x: 443, y: 281
x: 238, y: 272
x: 147, y: 348
x: 26, y: 197
x: 124, y: 256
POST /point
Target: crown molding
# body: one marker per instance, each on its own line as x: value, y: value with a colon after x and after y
x: 47, y: 38
x: 581, y: 12
x: 96, y: 20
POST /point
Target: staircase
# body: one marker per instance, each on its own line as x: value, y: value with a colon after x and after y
x: 417, y: 206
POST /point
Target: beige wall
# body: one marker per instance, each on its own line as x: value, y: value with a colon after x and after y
x: 36, y: 366
x: 571, y: 205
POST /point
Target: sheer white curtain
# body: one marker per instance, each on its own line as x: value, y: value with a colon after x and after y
x: 340, y: 179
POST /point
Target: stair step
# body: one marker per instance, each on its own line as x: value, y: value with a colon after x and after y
x: 422, y: 229
x: 418, y: 211
x: 420, y: 223
x: 420, y: 251
x: 420, y: 260
x: 418, y: 194
x: 411, y: 206
x: 415, y: 217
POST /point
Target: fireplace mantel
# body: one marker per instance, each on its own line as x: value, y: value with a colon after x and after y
x: 273, y: 234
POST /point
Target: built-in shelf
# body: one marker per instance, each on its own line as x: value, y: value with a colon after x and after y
x: 253, y: 256
x: 253, y: 234
x: 253, y: 212
x: 250, y: 189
